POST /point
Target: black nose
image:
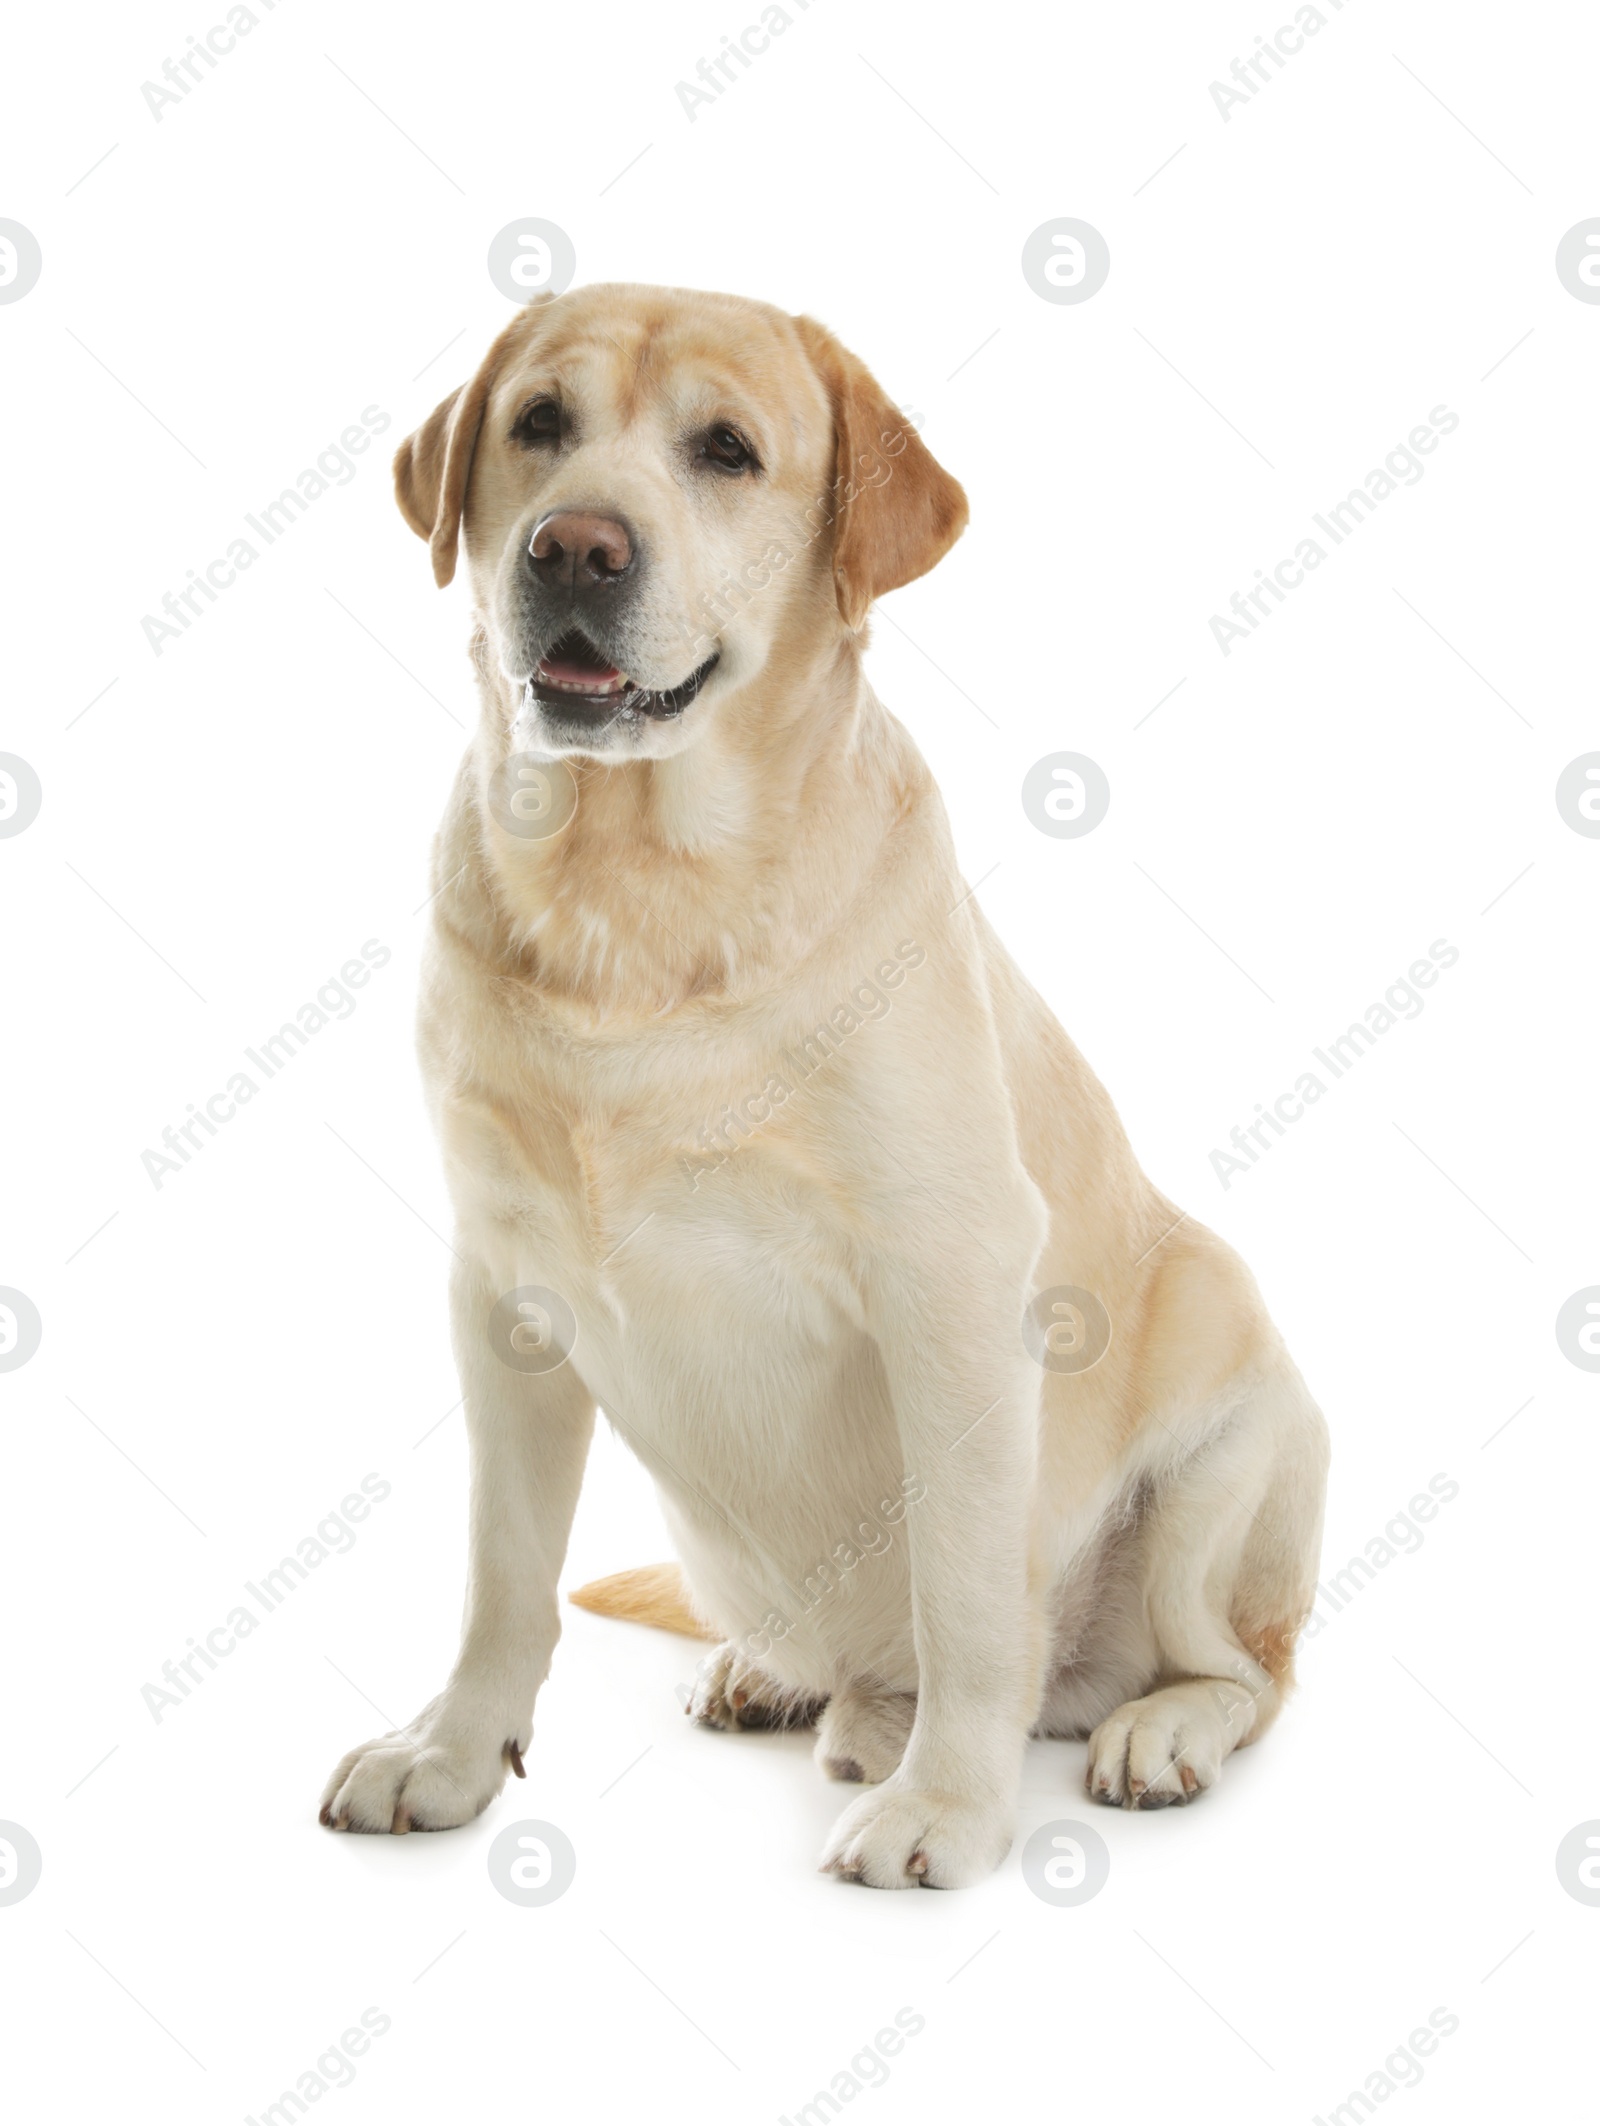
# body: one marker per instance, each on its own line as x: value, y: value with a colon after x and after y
x: 579, y: 549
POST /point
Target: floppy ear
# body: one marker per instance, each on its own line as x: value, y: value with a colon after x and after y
x: 895, y: 509
x: 433, y: 467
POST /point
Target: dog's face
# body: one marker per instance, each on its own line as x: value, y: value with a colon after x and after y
x: 658, y: 490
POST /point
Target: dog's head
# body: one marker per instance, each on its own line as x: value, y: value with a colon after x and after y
x: 657, y: 491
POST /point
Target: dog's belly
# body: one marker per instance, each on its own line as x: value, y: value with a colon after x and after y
x: 762, y: 1411
x: 720, y: 1330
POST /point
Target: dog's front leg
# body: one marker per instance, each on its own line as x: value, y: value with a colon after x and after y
x: 529, y: 1436
x: 966, y: 1401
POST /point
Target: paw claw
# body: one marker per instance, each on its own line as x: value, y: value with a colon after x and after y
x: 728, y: 1693
x: 442, y: 1770
x: 516, y: 1759
x: 1160, y: 1751
x: 900, y: 1837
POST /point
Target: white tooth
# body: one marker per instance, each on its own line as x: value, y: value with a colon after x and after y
x: 595, y: 689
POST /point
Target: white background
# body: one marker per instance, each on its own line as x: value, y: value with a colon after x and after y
x: 299, y: 238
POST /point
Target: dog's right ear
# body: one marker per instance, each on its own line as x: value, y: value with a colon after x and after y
x: 429, y: 488
x: 433, y: 467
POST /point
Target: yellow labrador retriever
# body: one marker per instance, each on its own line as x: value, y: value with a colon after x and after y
x: 760, y: 1142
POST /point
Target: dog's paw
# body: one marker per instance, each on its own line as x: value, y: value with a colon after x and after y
x: 441, y: 1771
x: 864, y: 1733
x: 904, y: 1838
x: 730, y: 1692
x: 1156, y: 1751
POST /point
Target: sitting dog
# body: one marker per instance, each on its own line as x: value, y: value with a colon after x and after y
x: 759, y: 1141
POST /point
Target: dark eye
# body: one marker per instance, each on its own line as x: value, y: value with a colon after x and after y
x: 539, y: 422
x: 724, y: 446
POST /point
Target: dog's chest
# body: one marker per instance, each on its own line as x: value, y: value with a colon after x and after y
x: 692, y: 1230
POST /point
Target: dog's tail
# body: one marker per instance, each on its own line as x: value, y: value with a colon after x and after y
x: 648, y: 1594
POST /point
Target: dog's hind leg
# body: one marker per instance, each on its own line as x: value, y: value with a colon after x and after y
x: 730, y: 1692
x: 1227, y: 1556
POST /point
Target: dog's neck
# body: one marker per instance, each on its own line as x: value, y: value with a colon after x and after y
x: 711, y: 874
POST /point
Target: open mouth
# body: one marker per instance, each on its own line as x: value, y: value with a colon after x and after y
x: 574, y: 676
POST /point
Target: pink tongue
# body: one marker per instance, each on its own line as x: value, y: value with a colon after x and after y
x: 571, y: 674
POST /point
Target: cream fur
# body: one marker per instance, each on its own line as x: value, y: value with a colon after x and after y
x: 816, y: 1332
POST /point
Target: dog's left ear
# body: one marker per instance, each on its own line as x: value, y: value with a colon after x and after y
x: 433, y: 467
x: 895, y: 509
